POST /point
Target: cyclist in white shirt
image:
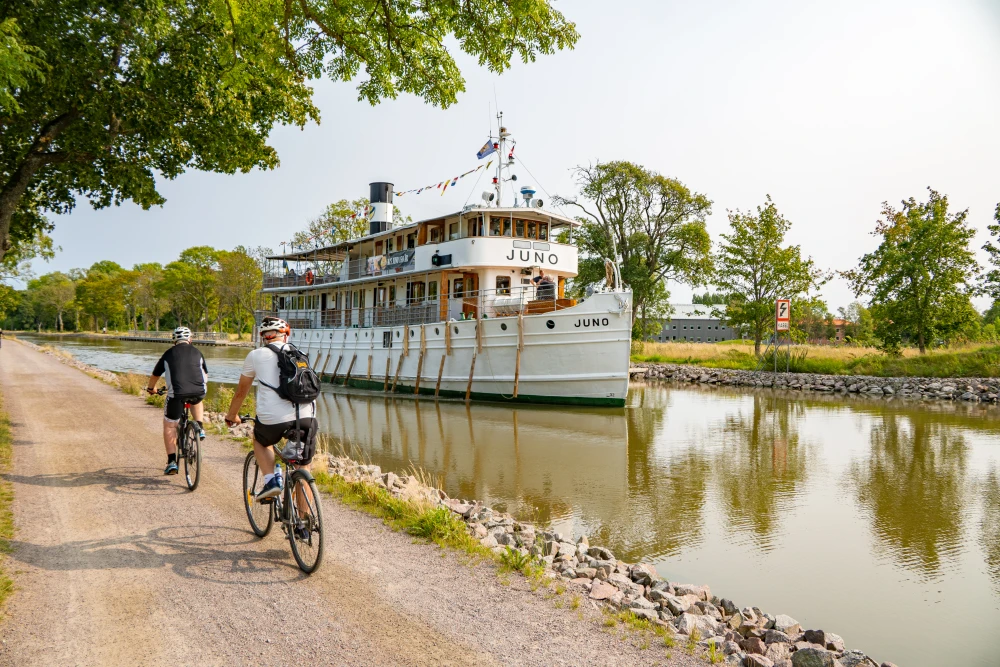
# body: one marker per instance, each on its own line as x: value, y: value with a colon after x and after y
x: 275, y: 415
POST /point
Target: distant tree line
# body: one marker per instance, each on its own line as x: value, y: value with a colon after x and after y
x: 204, y: 288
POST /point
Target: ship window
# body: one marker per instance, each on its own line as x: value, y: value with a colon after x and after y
x: 411, y: 241
x: 432, y: 290
x: 453, y: 231
x: 415, y: 292
x: 354, y: 299
x: 532, y: 230
x: 388, y: 245
x: 543, y: 231
x: 507, y: 227
x: 392, y: 295
x: 435, y: 235
x: 496, y: 226
x: 519, y: 228
x: 503, y: 284
x: 457, y: 288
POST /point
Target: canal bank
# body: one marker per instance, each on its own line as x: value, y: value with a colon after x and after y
x: 112, y: 560
x: 974, y: 390
x: 839, y: 509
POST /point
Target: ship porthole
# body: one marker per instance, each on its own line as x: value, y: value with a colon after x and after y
x: 503, y: 327
x: 550, y: 324
x: 397, y: 334
x: 456, y: 329
x: 437, y: 332
x: 411, y: 333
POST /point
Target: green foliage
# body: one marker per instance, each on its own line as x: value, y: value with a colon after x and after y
x: 238, y: 286
x: 754, y: 268
x: 654, y: 224
x: 101, y: 294
x: 991, y: 281
x: 920, y: 278
x: 859, y: 327
x: 101, y: 99
x: 709, y: 299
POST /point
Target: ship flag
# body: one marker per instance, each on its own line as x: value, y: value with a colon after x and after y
x: 488, y: 147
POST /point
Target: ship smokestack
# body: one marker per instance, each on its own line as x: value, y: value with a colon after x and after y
x: 380, y: 217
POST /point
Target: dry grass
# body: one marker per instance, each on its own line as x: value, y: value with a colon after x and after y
x: 56, y: 351
x: 6, y: 500
x: 721, y: 351
x: 133, y: 383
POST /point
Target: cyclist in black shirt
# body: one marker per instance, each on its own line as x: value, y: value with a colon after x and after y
x: 186, y: 376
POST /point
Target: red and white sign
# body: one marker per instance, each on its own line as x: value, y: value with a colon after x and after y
x: 782, y: 313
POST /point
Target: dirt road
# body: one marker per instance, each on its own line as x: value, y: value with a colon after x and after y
x: 117, y: 565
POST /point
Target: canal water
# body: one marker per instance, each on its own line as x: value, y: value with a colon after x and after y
x: 877, y: 520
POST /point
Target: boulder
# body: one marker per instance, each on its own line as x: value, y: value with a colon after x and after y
x: 588, y: 572
x: 814, y: 657
x: 753, y: 645
x: 856, y: 659
x: 644, y: 574
x: 705, y: 626
x: 648, y: 614
x: 708, y: 609
x: 602, y: 591
x: 787, y: 624
x: 888, y: 664
x: 600, y: 553
x: 730, y: 647
x: 778, y: 651
x: 776, y: 636
x: 641, y: 603
x: 815, y: 637
x: 834, y: 643
x: 489, y: 542
x: 702, y: 592
x: 755, y: 660
x: 727, y: 606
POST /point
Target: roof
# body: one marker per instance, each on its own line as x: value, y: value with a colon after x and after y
x: 338, y: 251
x: 696, y: 311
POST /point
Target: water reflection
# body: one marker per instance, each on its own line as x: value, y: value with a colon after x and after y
x: 760, y: 467
x: 990, y: 538
x: 912, y: 486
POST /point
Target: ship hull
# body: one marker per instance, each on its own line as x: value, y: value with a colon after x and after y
x: 574, y: 356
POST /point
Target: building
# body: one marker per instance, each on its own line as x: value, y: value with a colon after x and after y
x: 696, y: 323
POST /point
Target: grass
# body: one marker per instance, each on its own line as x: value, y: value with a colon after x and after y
x: 974, y: 360
x: 6, y: 499
x: 714, y: 654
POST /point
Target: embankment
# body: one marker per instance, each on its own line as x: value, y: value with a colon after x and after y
x: 633, y: 594
x: 971, y: 390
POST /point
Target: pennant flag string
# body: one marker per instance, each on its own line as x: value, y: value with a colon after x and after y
x: 445, y: 184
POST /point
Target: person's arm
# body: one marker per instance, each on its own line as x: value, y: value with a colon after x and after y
x: 242, y: 389
x: 156, y: 374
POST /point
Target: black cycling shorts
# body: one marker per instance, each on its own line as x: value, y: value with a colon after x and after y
x: 270, y: 434
x: 175, y: 406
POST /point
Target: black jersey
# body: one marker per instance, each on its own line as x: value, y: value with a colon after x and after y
x: 184, y: 370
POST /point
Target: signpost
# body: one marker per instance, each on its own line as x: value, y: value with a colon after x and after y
x: 782, y: 321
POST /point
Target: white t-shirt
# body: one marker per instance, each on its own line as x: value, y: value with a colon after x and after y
x: 262, y: 364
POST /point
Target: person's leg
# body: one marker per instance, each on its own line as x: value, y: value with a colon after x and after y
x: 264, y: 456
x: 170, y: 436
x: 198, y: 412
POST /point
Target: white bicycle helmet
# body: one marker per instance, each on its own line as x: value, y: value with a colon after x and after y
x: 274, y: 324
x: 181, y: 333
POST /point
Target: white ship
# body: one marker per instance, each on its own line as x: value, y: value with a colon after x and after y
x: 449, y: 306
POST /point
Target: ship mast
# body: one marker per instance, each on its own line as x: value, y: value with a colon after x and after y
x: 501, y: 144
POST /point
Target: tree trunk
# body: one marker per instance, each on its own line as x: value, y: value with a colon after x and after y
x: 60, y: 322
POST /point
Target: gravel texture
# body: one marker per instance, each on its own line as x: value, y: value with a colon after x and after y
x: 116, y: 564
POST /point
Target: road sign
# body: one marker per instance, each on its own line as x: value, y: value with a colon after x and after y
x: 782, y: 313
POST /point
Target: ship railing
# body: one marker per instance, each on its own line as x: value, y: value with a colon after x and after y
x: 299, y: 280
x: 168, y: 335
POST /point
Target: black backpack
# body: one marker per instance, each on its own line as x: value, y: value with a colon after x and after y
x: 297, y: 382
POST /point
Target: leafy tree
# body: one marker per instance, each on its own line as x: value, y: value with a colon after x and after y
x: 149, y: 300
x: 101, y: 294
x: 754, y: 268
x: 9, y: 301
x: 340, y: 221
x: 52, y: 295
x: 921, y: 276
x: 239, y: 283
x: 709, y: 299
x: 859, y: 328
x: 98, y: 98
x: 655, y: 223
x: 991, y: 281
x: 811, y: 320
x: 190, y: 284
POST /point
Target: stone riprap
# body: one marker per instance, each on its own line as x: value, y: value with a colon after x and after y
x: 745, y: 636
x: 973, y: 390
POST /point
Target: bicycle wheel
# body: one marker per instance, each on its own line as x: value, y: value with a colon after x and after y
x: 307, y: 515
x: 261, y: 515
x: 192, y: 456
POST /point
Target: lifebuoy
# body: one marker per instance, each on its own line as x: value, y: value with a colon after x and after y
x: 309, y: 278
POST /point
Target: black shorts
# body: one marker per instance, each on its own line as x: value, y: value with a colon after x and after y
x: 175, y: 406
x: 271, y: 434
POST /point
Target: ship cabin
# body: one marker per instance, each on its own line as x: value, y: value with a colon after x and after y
x: 480, y: 262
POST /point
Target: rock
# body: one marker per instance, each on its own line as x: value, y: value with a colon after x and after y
x: 727, y: 606
x: 390, y: 479
x: 730, y: 647
x: 834, y: 642
x: 705, y: 626
x: 813, y: 657
x: 753, y: 645
x: 856, y: 659
x: 489, y: 542
x: 787, y: 624
x: 888, y: 664
x: 550, y: 548
x: 776, y: 636
x: 648, y: 614
x: 644, y: 574
x: 641, y: 603
x: 702, y: 592
x: 754, y: 660
x: 600, y: 553
x: 735, y: 621
x: 479, y: 530
x: 815, y: 637
x: 602, y: 591
x: 778, y: 652
x: 588, y: 572
x: 708, y: 609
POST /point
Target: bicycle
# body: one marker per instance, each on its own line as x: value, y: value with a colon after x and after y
x: 188, y: 445
x: 298, y: 509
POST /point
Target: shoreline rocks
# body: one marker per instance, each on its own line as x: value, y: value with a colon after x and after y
x: 969, y: 390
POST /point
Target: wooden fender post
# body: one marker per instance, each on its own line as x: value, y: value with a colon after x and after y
x: 336, y: 368
x: 347, y: 378
x: 388, y: 361
x: 395, y: 379
x: 329, y: 353
x: 437, y: 387
x: 472, y: 369
x: 447, y: 338
x: 520, y: 346
x: 420, y: 359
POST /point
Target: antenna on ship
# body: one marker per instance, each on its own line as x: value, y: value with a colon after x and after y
x: 501, y: 148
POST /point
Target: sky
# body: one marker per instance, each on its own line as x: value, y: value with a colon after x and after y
x: 830, y: 108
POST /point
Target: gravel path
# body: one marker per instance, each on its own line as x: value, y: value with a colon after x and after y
x: 117, y: 565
